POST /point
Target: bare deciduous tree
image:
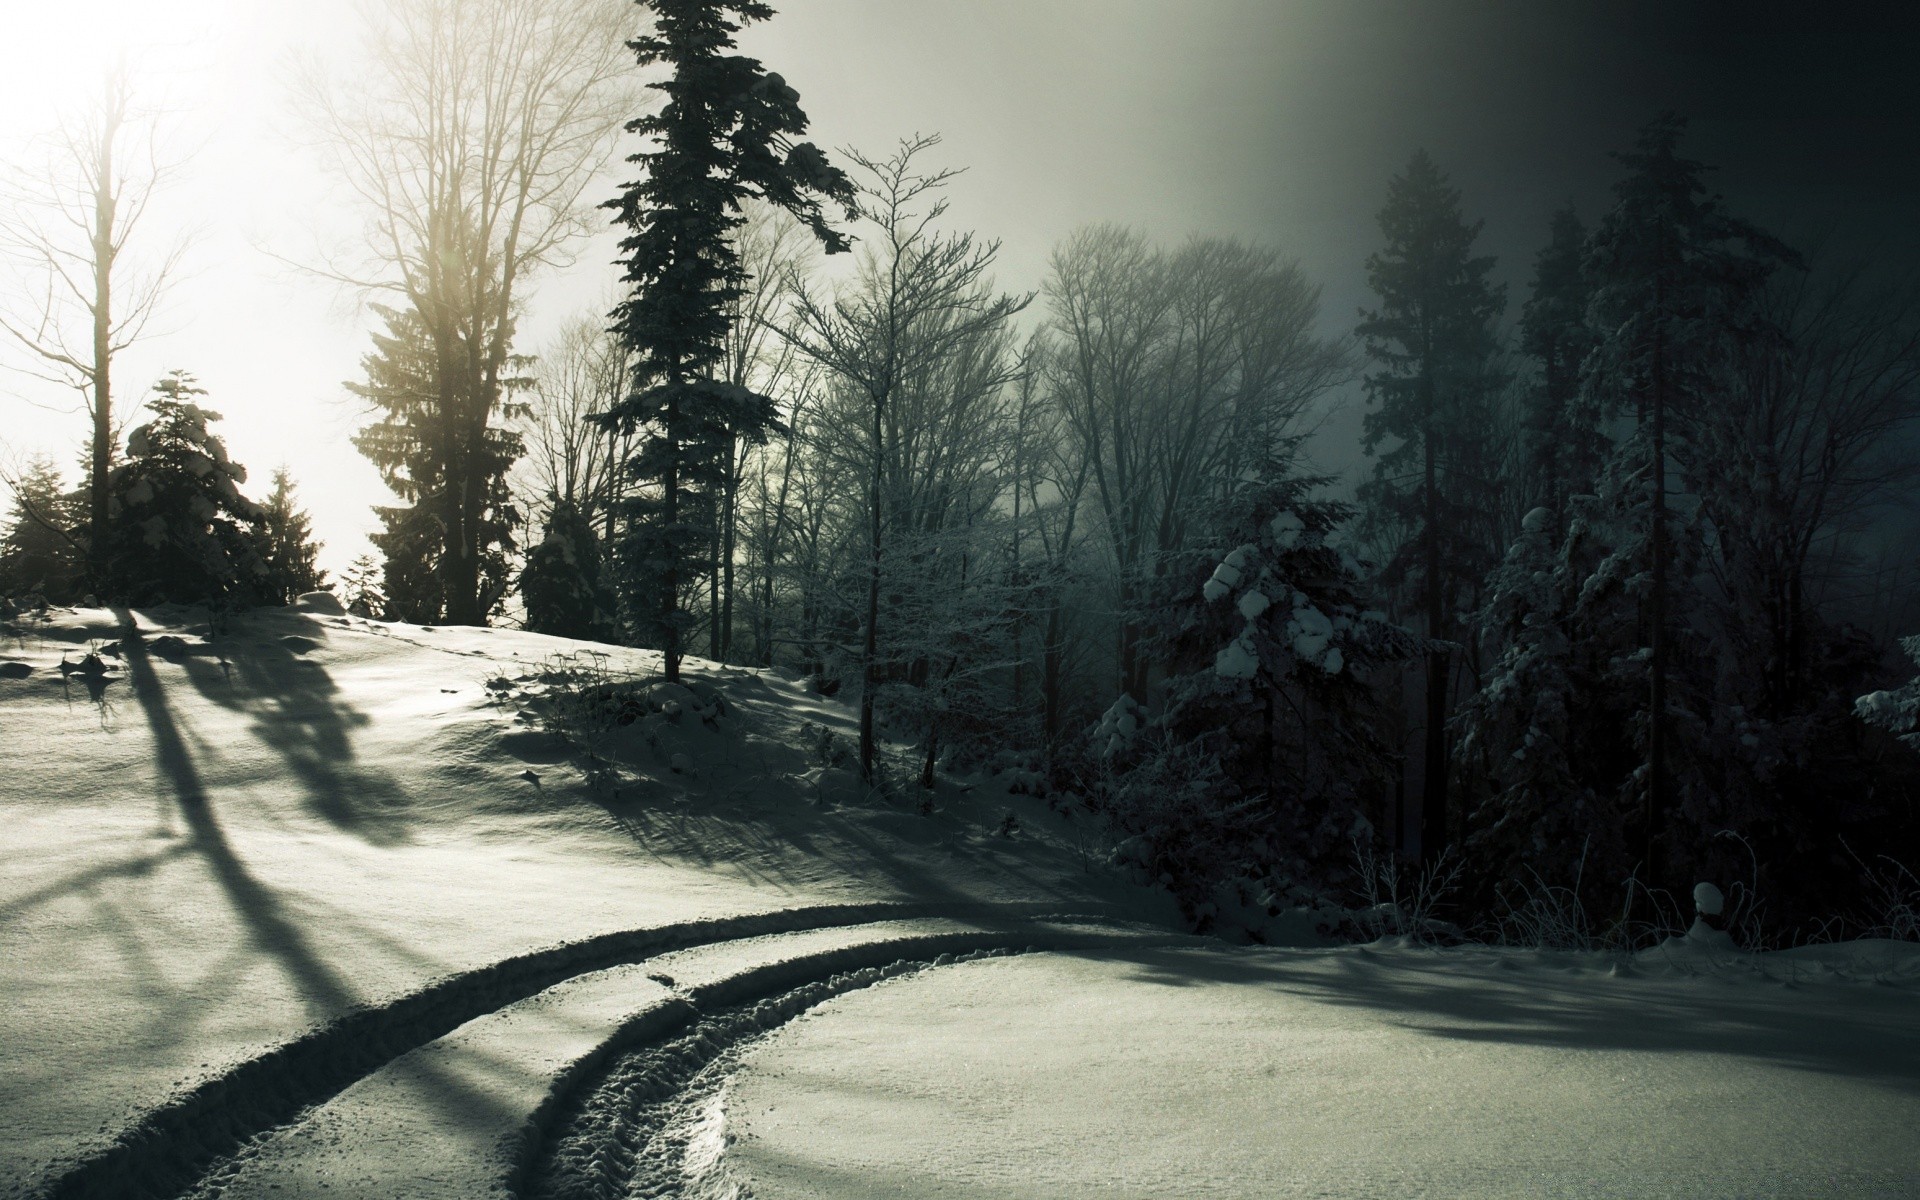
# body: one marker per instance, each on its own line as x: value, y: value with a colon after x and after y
x: 568, y: 460
x: 1813, y: 434
x: 1176, y: 372
x: 82, y: 296
x: 918, y: 297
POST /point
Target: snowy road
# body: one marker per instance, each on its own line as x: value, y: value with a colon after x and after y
x: 1383, y: 1073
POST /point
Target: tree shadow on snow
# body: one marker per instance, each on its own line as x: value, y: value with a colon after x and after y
x: 805, y: 847
x: 1855, y: 1030
x: 84, y: 881
x: 271, y: 927
x: 298, y: 713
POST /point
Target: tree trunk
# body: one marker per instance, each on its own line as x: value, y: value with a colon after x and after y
x: 103, y: 253
x: 670, y: 521
x: 713, y: 584
x: 870, y: 643
x: 1657, y: 799
x: 729, y: 525
x: 1433, y: 799
x: 1051, y: 654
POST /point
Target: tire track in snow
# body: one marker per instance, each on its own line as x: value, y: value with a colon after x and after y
x: 644, y: 1116
x: 168, y: 1150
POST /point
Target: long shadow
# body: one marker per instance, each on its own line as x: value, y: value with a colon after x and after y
x: 1853, y: 1030
x: 85, y: 880
x: 298, y: 713
x: 267, y: 921
x: 775, y: 848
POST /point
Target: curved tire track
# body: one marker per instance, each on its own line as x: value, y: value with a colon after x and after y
x: 168, y: 1150
x: 627, y: 1130
x: 599, y: 1134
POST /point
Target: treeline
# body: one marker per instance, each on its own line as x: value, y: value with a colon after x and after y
x: 1600, y: 622
x: 177, y: 528
x: 1070, y: 533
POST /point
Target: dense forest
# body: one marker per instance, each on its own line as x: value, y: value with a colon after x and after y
x: 1614, y: 607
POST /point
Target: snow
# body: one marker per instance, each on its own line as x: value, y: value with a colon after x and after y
x: 1708, y: 900
x: 1237, y: 660
x: 1286, y: 530
x: 1355, y: 1072
x: 246, y: 837
x: 224, y: 846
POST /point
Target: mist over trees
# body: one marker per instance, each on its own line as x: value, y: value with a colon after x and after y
x: 1603, y: 611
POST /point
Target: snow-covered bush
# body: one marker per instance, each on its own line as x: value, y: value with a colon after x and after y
x: 1259, y: 752
x: 178, y: 522
x: 1897, y: 710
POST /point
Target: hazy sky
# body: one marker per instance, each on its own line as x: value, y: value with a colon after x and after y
x: 1272, y: 120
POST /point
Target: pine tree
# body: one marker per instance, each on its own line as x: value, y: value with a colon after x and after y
x: 41, y: 552
x: 1433, y: 340
x: 360, y: 588
x: 449, y: 463
x: 724, y: 134
x: 563, y: 583
x: 1547, y: 725
x: 1675, y: 278
x: 1563, y: 451
x: 1268, y: 750
x: 284, y: 538
x: 178, y: 521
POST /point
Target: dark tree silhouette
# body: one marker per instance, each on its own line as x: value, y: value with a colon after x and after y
x: 1432, y: 338
x: 724, y: 135
x: 1675, y: 282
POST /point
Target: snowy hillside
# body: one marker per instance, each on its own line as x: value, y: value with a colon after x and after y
x: 320, y: 906
x: 216, y: 845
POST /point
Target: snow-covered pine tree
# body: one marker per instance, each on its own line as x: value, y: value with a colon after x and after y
x: 725, y: 134
x: 284, y: 539
x: 1896, y: 710
x: 563, y: 584
x: 1264, y: 757
x: 178, y: 521
x: 360, y: 588
x: 1547, y: 728
x: 1431, y: 498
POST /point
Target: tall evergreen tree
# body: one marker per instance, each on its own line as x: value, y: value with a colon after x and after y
x: 449, y: 463
x: 284, y: 538
x: 1433, y: 341
x: 1675, y: 282
x: 1268, y: 751
x: 724, y: 134
x: 1562, y: 451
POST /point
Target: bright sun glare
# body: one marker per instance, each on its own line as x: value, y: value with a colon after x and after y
x: 63, y: 48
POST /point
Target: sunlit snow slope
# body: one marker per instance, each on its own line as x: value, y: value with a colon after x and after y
x: 222, y: 842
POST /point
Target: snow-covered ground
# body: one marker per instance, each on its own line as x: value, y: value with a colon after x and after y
x: 242, y: 838
x: 316, y: 907
x: 1363, y: 1072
